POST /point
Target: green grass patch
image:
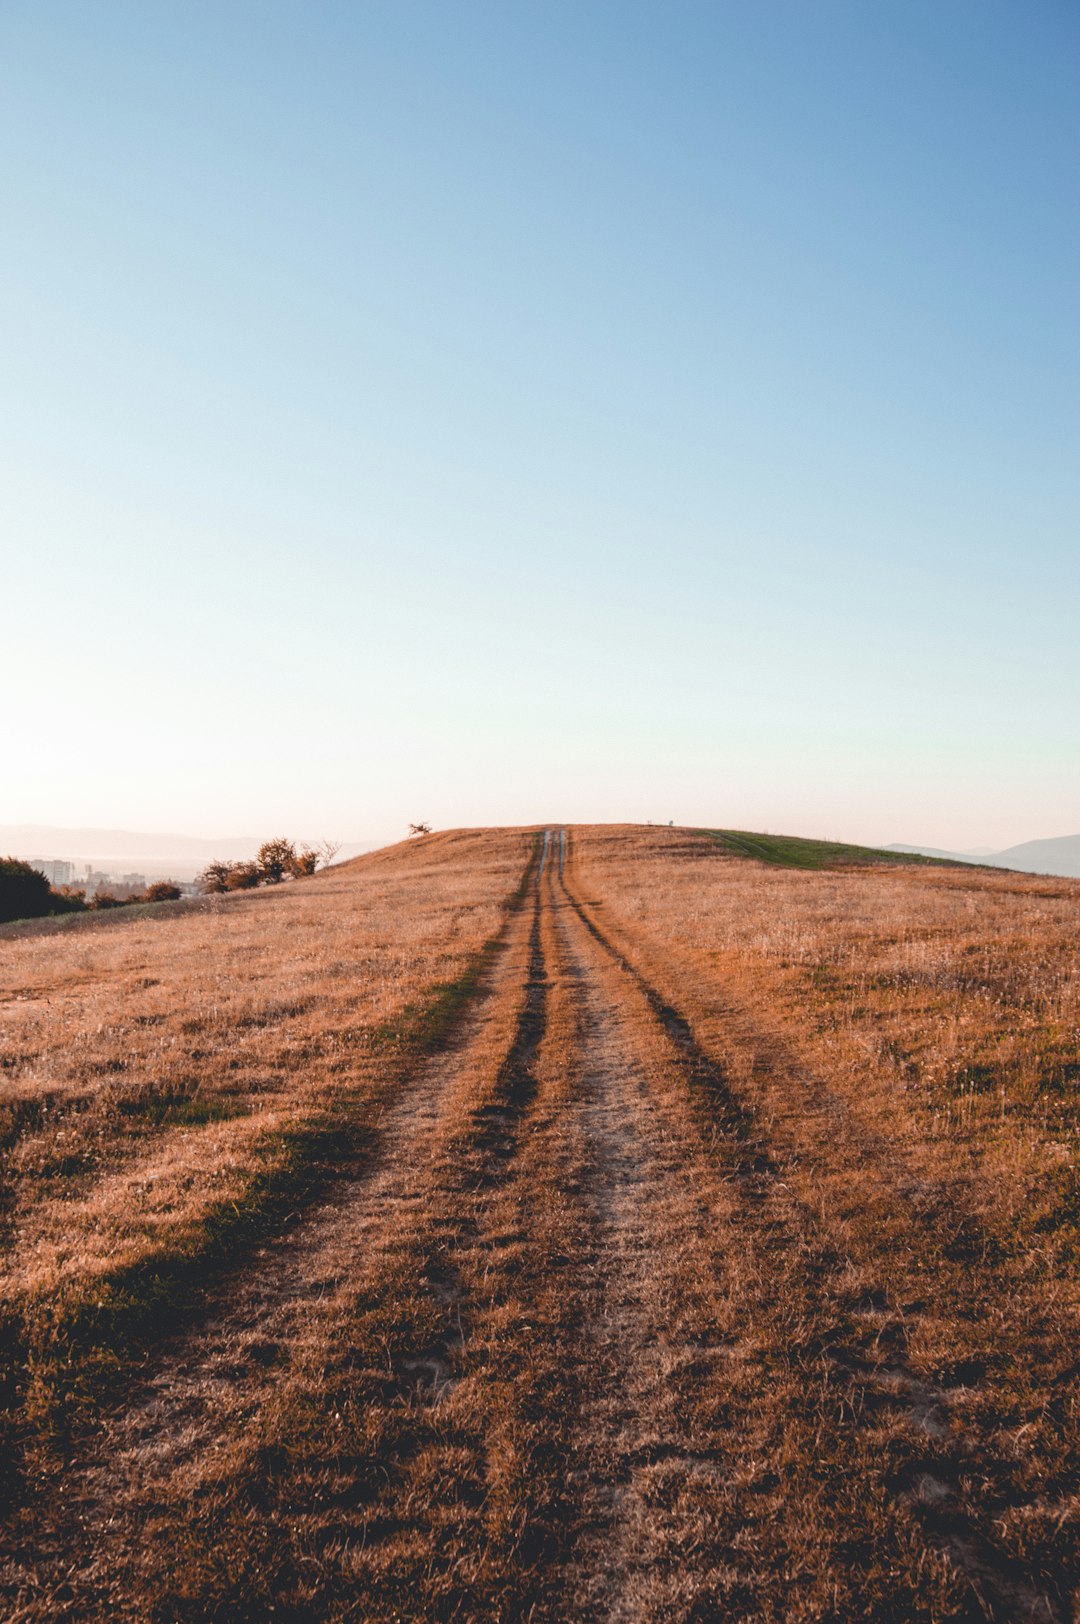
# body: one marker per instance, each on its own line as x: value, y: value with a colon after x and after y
x: 183, y: 1110
x: 794, y: 851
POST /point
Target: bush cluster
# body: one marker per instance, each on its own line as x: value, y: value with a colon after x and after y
x: 276, y: 860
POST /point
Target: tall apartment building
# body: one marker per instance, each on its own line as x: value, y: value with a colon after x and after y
x: 55, y: 870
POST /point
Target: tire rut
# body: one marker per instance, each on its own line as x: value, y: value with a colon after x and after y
x: 646, y: 1477
x: 206, y: 1391
x: 766, y: 1207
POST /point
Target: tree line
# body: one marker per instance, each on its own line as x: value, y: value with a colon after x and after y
x: 25, y: 893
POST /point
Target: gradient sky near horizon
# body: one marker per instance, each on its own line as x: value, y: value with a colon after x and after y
x: 582, y: 409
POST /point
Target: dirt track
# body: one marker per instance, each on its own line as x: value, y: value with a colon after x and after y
x: 572, y: 1343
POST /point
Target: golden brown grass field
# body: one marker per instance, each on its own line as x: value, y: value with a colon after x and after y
x: 525, y: 1225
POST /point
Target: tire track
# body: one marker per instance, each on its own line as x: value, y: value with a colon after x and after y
x: 200, y: 1410
x: 651, y: 1479
x: 772, y: 1218
x: 452, y: 1534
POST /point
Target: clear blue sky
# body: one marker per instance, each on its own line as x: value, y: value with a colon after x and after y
x: 499, y: 411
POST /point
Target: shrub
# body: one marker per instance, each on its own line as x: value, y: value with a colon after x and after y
x: 275, y: 859
x: 24, y: 893
x: 105, y: 899
x: 162, y: 891
x: 306, y: 861
x: 243, y: 876
x: 214, y: 878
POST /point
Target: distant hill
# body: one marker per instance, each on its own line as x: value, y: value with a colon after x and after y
x: 938, y: 851
x: 1057, y: 856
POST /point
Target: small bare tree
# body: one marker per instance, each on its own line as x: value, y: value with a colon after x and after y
x: 327, y: 850
x: 419, y: 828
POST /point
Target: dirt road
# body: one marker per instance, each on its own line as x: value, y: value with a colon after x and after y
x: 572, y: 1343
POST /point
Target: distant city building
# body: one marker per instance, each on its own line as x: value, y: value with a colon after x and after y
x: 55, y: 870
x: 96, y: 880
x: 85, y: 877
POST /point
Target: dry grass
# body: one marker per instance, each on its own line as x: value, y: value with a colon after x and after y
x: 942, y: 1006
x: 661, y: 1268
x: 168, y: 1083
x: 899, y: 1046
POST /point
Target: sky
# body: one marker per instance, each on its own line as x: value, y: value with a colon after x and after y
x: 530, y: 409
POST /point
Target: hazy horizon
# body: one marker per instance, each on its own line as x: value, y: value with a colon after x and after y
x: 448, y: 413
x: 93, y: 843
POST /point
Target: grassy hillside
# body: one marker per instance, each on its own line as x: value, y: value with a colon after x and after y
x: 795, y: 851
x: 632, y: 1233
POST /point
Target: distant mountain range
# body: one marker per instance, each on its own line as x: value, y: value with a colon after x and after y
x: 1057, y: 856
x: 155, y: 855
